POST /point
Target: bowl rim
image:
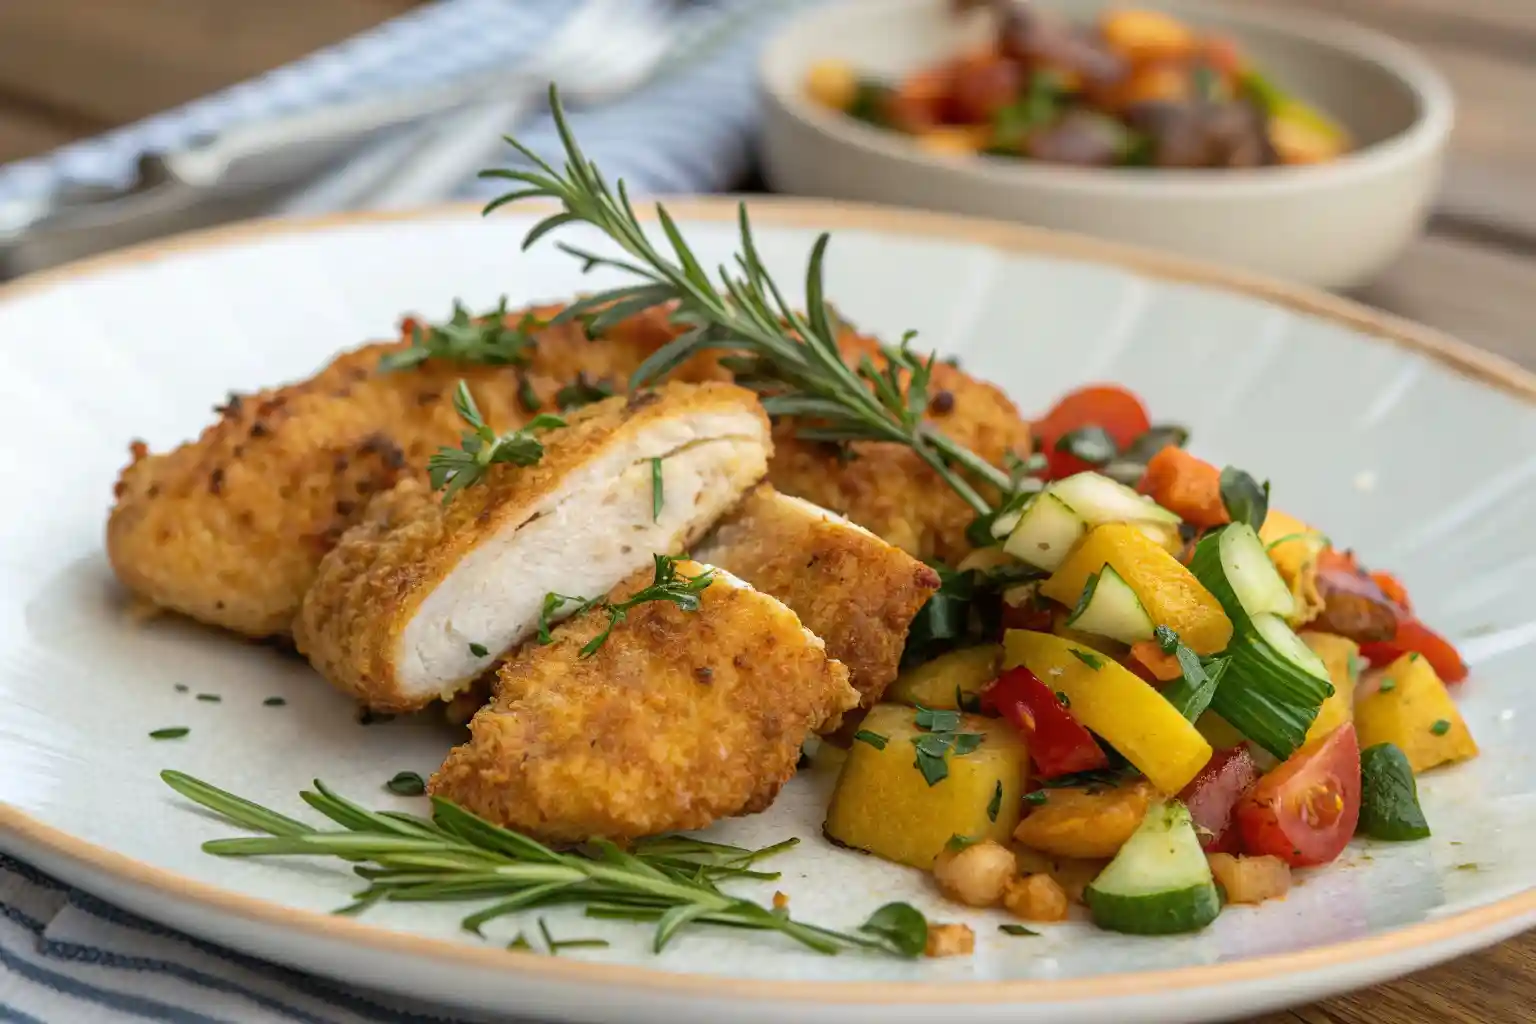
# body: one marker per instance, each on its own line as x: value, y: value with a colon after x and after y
x: 1426, y: 135
x: 1375, y: 957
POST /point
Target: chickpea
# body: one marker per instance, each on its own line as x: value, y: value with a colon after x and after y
x: 1036, y: 898
x: 832, y: 83
x: 976, y: 875
x: 950, y: 940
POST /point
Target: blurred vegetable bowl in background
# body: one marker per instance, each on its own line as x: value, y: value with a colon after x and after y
x: 1289, y: 145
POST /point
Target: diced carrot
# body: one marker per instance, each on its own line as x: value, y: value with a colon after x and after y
x: 1182, y: 483
x: 1161, y: 666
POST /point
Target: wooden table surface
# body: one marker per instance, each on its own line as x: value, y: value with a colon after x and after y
x: 73, y: 68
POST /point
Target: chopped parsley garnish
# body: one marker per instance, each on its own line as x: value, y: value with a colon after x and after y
x: 581, y: 391
x: 182, y: 687
x: 1063, y: 699
x: 520, y: 942
x: 1036, y: 798
x: 667, y: 584
x: 275, y: 702
x: 1093, y: 661
x: 209, y: 698
x: 1388, y: 684
x: 996, y: 803
x: 406, y: 784
x: 479, y: 650
x: 466, y: 338
x: 933, y: 748
x: 174, y: 732
x: 453, y: 469
x: 553, y: 604
x: 527, y: 397
x: 656, y: 491
x: 958, y: 842
x: 1441, y: 727
x: 555, y: 947
x: 1016, y: 929
x: 874, y: 739
x: 937, y: 721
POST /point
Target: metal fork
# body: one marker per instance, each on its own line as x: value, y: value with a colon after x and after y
x: 608, y: 48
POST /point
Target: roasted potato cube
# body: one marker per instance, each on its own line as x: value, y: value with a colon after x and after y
x: 1250, y: 879
x: 1085, y: 822
x: 950, y: 940
x: 1036, y: 898
x: 950, y: 679
x: 883, y: 803
x: 1406, y: 704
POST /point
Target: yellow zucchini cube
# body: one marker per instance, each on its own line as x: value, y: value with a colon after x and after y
x: 1117, y: 704
x: 1406, y: 704
x: 1167, y: 590
x: 941, y: 683
x: 884, y: 805
x: 1294, y: 548
x: 1340, y: 654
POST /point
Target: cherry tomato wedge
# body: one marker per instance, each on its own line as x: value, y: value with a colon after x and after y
x: 1110, y: 406
x: 1058, y: 743
x: 1305, y: 811
x: 1413, y: 636
x: 1213, y: 794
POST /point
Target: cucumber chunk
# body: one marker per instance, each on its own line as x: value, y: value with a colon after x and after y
x: 1109, y: 607
x: 1098, y: 499
x: 1252, y: 576
x: 1046, y: 532
x: 1159, y: 883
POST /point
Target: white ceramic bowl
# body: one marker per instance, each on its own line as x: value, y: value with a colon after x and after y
x: 1334, y: 225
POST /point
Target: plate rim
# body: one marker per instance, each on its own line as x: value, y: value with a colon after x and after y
x: 1492, y: 921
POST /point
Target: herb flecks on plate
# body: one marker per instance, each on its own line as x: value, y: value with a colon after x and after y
x: 453, y: 856
x: 453, y: 469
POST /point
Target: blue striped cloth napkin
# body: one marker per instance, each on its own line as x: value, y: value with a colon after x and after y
x: 67, y: 957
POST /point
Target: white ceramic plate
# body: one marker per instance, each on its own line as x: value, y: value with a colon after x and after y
x: 1406, y: 446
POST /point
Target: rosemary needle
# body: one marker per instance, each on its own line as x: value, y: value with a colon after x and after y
x: 456, y: 856
x: 791, y: 358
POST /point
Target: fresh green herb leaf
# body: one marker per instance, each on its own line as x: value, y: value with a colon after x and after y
x: 554, y: 946
x: 933, y: 766
x: 275, y: 702
x: 1441, y: 727
x: 1063, y: 699
x: 209, y: 698
x: 1039, y: 105
x: 996, y: 803
x: 555, y: 603
x: 479, y: 650
x: 901, y: 927
x: 1389, y: 796
x: 1036, y: 797
x: 520, y: 943
x: 966, y: 743
x: 1091, y: 444
x: 406, y: 784
x: 527, y: 397
x: 174, y: 732
x: 657, y: 498
x: 182, y: 687
x: 1088, y: 658
x: 958, y: 842
x: 1192, y: 692
x: 1016, y: 929
x: 466, y: 338
x: 1388, y: 684
x: 1154, y: 440
x: 582, y: 391
x: 936, y: 720
x: 1166, y: 639
x: 1244, y: 499
x: 874, y: 739
x: 667, y: 584
x: 453, y: 469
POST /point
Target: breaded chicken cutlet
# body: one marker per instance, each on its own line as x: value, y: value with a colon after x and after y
x: 680, y: 718
x: 229, y: 529
x: 420, y: 598
x: 886, y: 487
x: 849, y: 587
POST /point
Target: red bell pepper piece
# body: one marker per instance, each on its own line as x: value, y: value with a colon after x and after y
x: 1212, y: 795
x: 1414, y: 636
x: 1058, y: 743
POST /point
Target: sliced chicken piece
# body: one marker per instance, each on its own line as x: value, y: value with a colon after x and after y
x: 421, y: 597
x: 886, y: 487
x: 848, y: 586
x: 230, y: 528
x: 680, y: 718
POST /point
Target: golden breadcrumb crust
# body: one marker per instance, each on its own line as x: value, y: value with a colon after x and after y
x: 679, y: 719
x: 230, y: 528
x: 849, y: 587
x: 368, y: 588
x: 886, y: 487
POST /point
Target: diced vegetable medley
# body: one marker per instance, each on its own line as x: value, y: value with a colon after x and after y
x: 1136, y: 88
x: 1150, y: 693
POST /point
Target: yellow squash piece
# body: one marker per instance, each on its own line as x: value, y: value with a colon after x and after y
x: 1296, y: 548
x: 884, y: 805
x: 1117, y: 704
x: 1167, y: 590
x: 1341, y: 655
x: 1406, y: 704
x: 940, y: 683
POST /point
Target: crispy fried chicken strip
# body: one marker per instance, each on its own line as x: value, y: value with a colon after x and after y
x: 848, y: 586
x: 885, y: 487
x: 679, y: 719
x: 230, y: 528
x: 420, y: 598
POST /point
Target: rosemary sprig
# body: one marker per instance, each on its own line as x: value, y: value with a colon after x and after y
x: 667, y: 584
x: 466, y: 338
x: 453, y: 469
x: 455, y: 855
x: 790, y: 356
